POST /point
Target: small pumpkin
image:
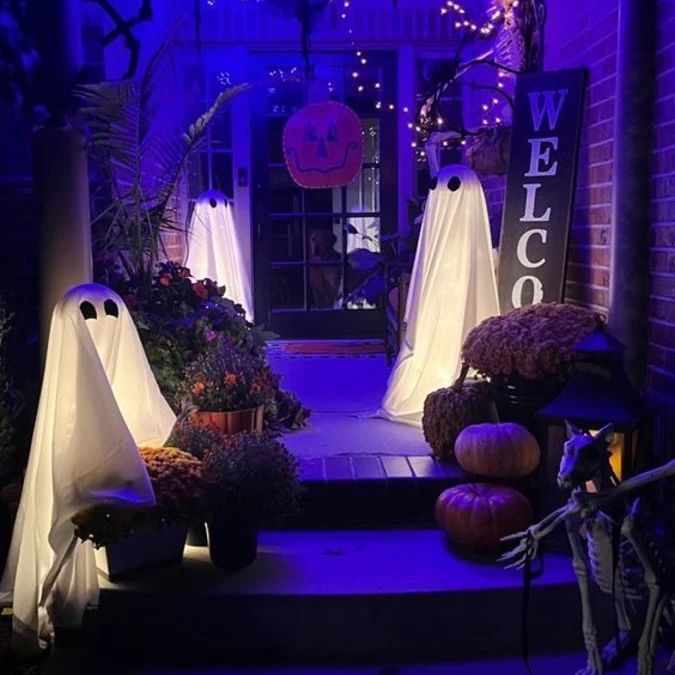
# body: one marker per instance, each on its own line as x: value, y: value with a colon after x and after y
x: 504, y: 450
x: 478, y: 515
x: 447, y: 411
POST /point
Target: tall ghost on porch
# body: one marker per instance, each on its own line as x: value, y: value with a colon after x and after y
x: 453, y: 288
x: 99, y: 401
x: 214, y: 250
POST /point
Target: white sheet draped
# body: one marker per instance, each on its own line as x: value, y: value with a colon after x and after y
x: 99, y: 402
x: 214, y: 249
x: 452, y: 289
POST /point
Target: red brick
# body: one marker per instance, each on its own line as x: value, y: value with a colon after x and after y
x: 663, y: 285
x: 663, y: 261
x: 663, y: 236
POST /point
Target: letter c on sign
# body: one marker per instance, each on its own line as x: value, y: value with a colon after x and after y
x: 521, y: 249
x: 517, y: 292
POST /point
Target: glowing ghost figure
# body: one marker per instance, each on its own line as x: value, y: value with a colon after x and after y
x: 323, y: 145
x: 99, y: 402
x: 214, y: 250
x: 452, y: 289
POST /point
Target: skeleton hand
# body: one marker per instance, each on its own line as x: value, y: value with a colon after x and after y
x: 527, y: 548
x: 528, y: 541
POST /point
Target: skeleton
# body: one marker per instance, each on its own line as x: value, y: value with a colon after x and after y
x: 614, y: 542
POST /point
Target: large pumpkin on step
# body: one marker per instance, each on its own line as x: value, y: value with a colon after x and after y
x: 505, y: 450
x: 478, y: 515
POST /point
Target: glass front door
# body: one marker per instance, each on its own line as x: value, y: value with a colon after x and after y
x: 315, y: 249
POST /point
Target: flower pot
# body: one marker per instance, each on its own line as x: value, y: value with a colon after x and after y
x: 233, y: 539
x: 233, y: 421
x: 518, y: 399
x: 156, y: 547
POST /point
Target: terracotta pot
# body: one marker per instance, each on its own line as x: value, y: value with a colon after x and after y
x: 233, y: 421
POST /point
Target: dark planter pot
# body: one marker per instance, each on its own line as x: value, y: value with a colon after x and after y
x: 233, y: 539
x: 519, y: 399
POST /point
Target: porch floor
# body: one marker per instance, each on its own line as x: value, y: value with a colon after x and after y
x: 342, y: 383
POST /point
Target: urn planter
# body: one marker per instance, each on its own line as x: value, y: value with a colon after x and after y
x: 233, y: 421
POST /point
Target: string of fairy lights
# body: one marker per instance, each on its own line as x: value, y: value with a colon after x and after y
x: 424, y: 122
x: 423, y: 119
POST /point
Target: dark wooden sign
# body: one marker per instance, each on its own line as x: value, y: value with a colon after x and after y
x: 540, y: 187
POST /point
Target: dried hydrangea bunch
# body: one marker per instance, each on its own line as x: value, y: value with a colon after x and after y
x: 533, y: 341
x: 448, y: 411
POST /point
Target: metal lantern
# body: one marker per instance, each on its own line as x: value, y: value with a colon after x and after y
x: 598, y: 392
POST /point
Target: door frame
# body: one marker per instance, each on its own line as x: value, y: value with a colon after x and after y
x: 314, y: 323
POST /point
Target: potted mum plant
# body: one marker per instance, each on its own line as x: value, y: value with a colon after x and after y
x: 128, y: 539
x: 527, y: 352
x: 251, y: 480
x: 229, y: 387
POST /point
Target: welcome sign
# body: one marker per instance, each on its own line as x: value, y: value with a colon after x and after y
x: 540, y: 187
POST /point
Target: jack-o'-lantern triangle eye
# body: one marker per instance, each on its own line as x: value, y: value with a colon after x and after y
x: 332, y: 133
x: 310, y: 132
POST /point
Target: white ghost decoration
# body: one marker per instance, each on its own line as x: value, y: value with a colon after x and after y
x: 99, y: 402
x: 214, y: 250
x: 452, y: 289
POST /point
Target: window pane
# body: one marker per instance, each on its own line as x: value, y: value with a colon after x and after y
x: 287, y: 288
x: 285, y: 238
x: 324, y: 239
x: 322, y: 201
x: 222, y: 172
x: 363, y: 195
x: 285, y: 201
x: 371, y: 140
x: 221, y: 131
x: 325, y: 286
x: 275, y: 152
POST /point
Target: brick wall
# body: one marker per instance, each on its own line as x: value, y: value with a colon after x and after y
x: 584, y: 33
x: 661, y: 373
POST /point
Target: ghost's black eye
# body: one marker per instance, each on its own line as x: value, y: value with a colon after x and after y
x: 454, y: 183
x: 213, y: 202
x: 433, y: 184
x: 88, y: 310
x: 111, y: 308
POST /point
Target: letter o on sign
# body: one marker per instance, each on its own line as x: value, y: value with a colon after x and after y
x: 518, y: 287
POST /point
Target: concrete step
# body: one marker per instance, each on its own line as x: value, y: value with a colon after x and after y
x: 367, y: 596
x: 367, y: 490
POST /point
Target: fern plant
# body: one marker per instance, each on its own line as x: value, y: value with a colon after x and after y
x: 140, y: 167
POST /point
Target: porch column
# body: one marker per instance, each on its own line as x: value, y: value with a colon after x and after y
x: 629, y: 261
x: 60, y: 161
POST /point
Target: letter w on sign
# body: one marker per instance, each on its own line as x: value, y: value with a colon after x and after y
x: 544, y: 103
x: 540, y: 187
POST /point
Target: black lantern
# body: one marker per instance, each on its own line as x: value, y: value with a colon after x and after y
x: 598, y: 392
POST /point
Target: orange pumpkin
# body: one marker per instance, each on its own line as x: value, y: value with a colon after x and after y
x: 478, y: 515
x: 505, y: 450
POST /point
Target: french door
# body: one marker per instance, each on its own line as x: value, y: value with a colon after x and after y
x: 310, y: 245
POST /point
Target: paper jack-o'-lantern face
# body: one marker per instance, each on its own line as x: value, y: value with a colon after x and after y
x: 323, y: 145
